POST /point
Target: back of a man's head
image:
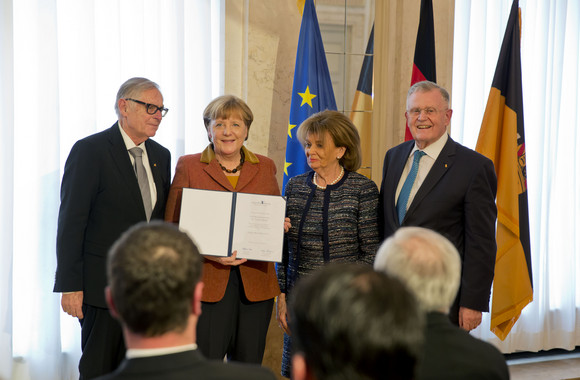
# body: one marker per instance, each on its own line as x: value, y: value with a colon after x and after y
x: 426, y: 262
x: 350, y: 322
x: 152, y: 272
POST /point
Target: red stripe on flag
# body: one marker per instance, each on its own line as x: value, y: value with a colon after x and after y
x: 424, y: 58
x: 416, y: 76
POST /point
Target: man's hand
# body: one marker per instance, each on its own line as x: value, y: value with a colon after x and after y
x: 230, y: 260
x: 72, y: 304
x: 469, y: 318
x: 282, y: 314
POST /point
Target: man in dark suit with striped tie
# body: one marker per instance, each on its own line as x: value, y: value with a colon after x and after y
x: 436, y: 183
x: 112, y: 180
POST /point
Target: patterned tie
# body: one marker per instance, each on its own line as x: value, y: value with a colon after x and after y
x: 137, y: 154
x: 406, y: 189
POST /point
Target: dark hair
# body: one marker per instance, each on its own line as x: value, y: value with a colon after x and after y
x: 225, y: 106
x: 132, y: 88
x: 351, y: 322
x: 342, y: 131
x: 152, y: 271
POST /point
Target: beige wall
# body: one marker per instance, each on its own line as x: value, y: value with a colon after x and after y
x: 260, y: 52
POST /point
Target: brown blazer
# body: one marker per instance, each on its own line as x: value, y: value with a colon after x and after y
x: 258, y: 176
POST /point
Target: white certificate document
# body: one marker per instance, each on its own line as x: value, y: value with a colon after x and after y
x: 258, y: 232
x: 205, y: 216
x: 220, y: 222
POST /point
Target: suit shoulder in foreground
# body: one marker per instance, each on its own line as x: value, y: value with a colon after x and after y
x: 186, y: 365
x: 452, y: 353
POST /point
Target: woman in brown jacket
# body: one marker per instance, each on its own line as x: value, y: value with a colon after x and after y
x: 239, y: 294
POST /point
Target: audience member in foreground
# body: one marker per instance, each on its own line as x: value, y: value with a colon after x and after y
x: 350, y: 322
x: 154, y: 290
x: 431, y: 268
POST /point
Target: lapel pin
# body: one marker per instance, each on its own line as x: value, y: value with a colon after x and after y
x: 156, y: 165
x: 445, y: 165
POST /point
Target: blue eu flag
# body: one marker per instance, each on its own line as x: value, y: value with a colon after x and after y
x: 311, y: 92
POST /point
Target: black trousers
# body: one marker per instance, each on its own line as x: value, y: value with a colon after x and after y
x: 234, y: 327
x: 101, y: 341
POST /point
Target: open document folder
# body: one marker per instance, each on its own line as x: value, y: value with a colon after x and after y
x: 221, y: 222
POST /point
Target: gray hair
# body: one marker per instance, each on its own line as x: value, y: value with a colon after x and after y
x: 426, y: 86
x: 132, y: 88
x: 426, y: 262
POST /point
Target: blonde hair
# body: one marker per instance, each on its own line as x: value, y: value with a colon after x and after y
x: 225, y: 106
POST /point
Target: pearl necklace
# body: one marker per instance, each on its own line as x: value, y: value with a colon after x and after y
x: 332, y: 183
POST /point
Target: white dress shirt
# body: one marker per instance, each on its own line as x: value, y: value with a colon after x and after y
x: 130, y: 144
x: 432, y: 151
x: 147, y: 352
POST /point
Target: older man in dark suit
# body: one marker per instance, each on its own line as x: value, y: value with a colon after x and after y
x: 112, y: 180
x: 154, y: 273
x: 436, y: 183
x: 430, y: 267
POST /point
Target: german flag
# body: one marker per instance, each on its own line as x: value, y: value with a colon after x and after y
x: 362, y: 106
x: 502, y: 139
x: 424, y: 60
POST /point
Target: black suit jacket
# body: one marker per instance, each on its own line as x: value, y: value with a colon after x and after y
x: 451, y: 353
x: 100, y: 199
x: 456, y: 199
x: 186, y: 365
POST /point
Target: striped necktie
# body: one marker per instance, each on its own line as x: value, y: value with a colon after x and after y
x: 408, y: 185
x: 137, y: 154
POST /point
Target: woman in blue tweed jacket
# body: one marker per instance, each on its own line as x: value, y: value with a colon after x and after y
x: 333, y: 209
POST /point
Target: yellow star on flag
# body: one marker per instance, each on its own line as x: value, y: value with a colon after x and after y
x: 306, y: 97
x: 290, y: 127
x: 286, y: 164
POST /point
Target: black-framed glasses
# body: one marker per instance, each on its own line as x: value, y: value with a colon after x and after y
x: 150, y: 108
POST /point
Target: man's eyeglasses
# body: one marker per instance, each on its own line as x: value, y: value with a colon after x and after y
x: 151, y: 108
x: 429, y: 111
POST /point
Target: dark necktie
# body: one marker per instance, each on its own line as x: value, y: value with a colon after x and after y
x: 137, y: 154
x: 408, y: 185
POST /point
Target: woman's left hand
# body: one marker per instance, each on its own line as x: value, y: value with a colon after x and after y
x: 287, y: 224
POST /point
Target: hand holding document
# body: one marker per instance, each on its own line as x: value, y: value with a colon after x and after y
x: 221, y: 222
